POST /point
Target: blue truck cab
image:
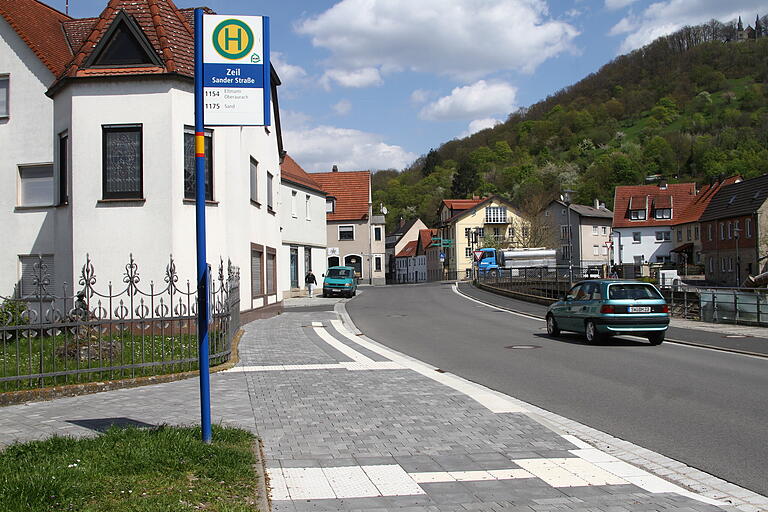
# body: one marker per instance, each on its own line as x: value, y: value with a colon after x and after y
x: 488, y: 262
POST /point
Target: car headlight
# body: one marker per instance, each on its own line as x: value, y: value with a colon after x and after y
x: 347, y: 284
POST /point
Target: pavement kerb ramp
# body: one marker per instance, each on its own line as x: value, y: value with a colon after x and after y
x: 673, y: 471
x: 489, y: 289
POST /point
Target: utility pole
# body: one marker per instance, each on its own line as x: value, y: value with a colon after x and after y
x: 567, y: 200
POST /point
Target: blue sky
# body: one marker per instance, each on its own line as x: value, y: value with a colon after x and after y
x: 373, y: 84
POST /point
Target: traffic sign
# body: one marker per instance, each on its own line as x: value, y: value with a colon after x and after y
x: 236, y: 70
x: 478, y: 255
x: 442, y: 257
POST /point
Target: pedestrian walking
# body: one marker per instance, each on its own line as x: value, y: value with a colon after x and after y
x: 310, y: 281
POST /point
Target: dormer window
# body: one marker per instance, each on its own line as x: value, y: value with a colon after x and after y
x: 330, y: 205
x: 662, y: 207
x: 123, y: 44
x: 638, y: 206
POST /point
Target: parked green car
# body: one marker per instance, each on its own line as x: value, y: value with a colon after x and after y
x: 600, y: 308
x: 341, y: 281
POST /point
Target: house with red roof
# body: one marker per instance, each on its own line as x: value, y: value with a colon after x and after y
x: 395, y: 241
x: 405, y: 263
x: 97, y: 133
x: 355, y: 235
x: 464, y: 225
x: 660, y: 223
x: 302, y: 218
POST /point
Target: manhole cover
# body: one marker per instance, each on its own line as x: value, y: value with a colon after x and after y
x: 522, y: 346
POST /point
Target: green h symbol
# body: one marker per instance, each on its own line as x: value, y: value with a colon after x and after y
x: 239, y: 38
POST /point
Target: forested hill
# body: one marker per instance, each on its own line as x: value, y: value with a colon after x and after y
x: 689, y: 106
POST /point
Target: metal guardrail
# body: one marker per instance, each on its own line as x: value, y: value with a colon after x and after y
x: 48, y: 339
x: 746, y: 306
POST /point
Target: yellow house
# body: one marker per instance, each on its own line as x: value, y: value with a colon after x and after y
x: 490, y: 217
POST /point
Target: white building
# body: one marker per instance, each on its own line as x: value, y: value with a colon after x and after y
x: 303, y: 228
x: 99, y: 153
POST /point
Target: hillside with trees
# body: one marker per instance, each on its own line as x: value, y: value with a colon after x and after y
x: 690, y: 106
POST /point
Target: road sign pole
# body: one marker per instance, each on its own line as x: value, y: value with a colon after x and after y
x: 202, y: 264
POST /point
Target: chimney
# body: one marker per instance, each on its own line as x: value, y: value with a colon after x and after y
x: 334, y: 169
x: 663, y: 183
x: 597, y: 204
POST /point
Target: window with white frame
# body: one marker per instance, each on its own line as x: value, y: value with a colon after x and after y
x: 662, y: 213
x: 293, y: 203
x: 637, y: 214
x: 496, y: 215
x: 346, y: 232
x: 468, y: 252
x: 605, y: 230
x: 730, y: 264
x: 306, y: 207
x: 190, y: 164
x: 711, y: 264
x: 636, y: 237
x: 663, y: 236
x: 5, y: 80
x: 605, y: 250
x: 377, y: 264
x: 330, y: 205
x: 595, y: 230
x: 722, y: 264
x: 595, y: 250
x: 270, y: 180
x: 565, y: 250
x: 30, y: 270
x: 730, y: 231
x: 254, y: 171
x: 679, y: 235
x: 467, y: 232
x: 36, y: 185
x: 748, y: 227
x: 480, y: 232
x: 377, y: 233
x: 722, y: 231
x: 564, y: 232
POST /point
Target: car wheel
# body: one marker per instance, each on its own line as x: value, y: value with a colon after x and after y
x: 656, y: 338
x: 590, y: 332
x: 354, y: 292
x: 552, y: 328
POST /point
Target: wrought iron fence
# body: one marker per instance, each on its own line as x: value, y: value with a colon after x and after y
x: 117, y: 332
x: 748, y: 306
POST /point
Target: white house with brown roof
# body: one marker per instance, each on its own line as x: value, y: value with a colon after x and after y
x: 589, y: 236
x: 303, y: 224
x: 405, y: 232
x: 355, y: 234
x: 99, y: 152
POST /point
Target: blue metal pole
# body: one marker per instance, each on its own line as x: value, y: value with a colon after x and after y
x: 202, y: 265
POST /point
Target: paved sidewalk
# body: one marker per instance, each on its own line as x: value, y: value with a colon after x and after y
x: 350, y: 425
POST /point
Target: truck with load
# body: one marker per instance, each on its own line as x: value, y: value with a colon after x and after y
x: 491, y: 259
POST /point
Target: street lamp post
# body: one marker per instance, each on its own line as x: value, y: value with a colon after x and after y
x: 737, y: 235
x: 567, y: 200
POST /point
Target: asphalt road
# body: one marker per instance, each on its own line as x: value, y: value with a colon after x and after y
x: 705, y: 408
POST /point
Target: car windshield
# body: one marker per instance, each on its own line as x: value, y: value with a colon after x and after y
x: 339, y: 273
x: 633, y: 291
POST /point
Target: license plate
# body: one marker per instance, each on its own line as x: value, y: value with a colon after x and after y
x: 639, y: 309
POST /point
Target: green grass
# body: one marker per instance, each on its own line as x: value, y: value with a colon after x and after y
x: 136, y: 349
x: 128, y: 469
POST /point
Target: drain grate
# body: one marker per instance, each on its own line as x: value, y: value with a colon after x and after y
x: 515, y: 347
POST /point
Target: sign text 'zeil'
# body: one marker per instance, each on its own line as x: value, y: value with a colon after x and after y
x: 236, y: 70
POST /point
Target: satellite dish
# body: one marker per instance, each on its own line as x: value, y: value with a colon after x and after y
x: 384, y: 210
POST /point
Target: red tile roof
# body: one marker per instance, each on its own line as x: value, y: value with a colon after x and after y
x: 460, y: 204
x: 40, y: 27
x: 681, y: 196
x: 425, y: 238
x: 167, y: 29
x: 291, y: 171
x: 409, y: 249
x: 352, y: 191
x: 697, y: 207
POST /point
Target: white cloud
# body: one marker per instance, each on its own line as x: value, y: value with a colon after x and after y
x: 480, y: 124
x: 343, y: 107
x: 420, y: 96
x: 464, y: 39
x: 363, y: 77
x: 472, y: 101
x: 618, y: 4
x: 319, y: 148
x: 288, y: 73
x: 666, y: 16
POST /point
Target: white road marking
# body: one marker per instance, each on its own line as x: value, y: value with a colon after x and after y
x: 279, y: 489
x: 509, y: 474
x: 551, y: 472
x: 350, y: 482
x: 392, y: 480
x: 307, y: 484
x: 341, y: 347
x: 577, y: 442
x: 494, y: 401
x: 523, y: 315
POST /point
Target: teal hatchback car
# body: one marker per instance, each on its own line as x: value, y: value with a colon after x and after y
x: 340, y: 281
x: 600, y: 308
